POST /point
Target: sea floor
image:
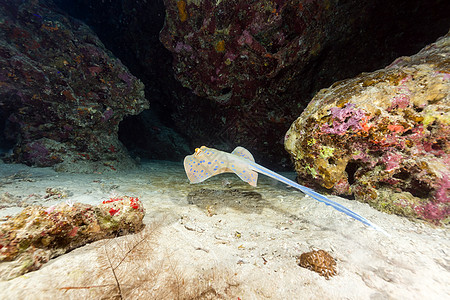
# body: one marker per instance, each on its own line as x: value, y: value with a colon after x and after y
x: 223, y: 239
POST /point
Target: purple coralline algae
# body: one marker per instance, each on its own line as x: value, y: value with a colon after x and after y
x: 62, y: 92
x: 227, y: 50
x: 259, y: 61
x: 344, y: 119
x: 246, y: 57
x: 37, y: 234
x: 383, y: 137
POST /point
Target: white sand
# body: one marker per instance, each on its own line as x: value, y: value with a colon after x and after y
x: 251, y: 243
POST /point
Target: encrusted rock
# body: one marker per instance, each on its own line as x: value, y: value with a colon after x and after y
x: 319, y: 261
x: 37, y: 234
x: 383, y: 136
x: 62, y: 93
x: 259, y: 61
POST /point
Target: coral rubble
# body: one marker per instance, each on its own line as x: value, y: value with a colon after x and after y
x: 37, y: 234
x: 318, y: 261
x: 383, y: 136
x: 63, y: 94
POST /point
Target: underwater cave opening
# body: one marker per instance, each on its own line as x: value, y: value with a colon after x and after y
x: 131, y: 32
x: 146, y: 137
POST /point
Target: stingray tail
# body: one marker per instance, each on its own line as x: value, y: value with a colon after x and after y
x: 316, y: 196
x: 338, y: 207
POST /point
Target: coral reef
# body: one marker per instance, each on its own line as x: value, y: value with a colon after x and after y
x: 318, y: 261
x: 260, y: 61
x: 245, y: 57
x: 229, y: 50
x: 383, y: 136
x: 336, y: 41
x: 63, y: 94
x: 37, y: 234
x: 135, y: 40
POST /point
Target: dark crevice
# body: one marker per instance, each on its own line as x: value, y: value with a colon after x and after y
x: 438, y: 145
x: 225, y: 91
x: 403, y: 175
x: 351, y: 169
x: 407, y: 132
x: 419, y: 189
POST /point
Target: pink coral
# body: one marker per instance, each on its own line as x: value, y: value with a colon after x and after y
x: 392, y: 160
x: 433, y: 212
x: 180, y: 46
x: 107, y: 114
x: 245, y: 38
x: 345, y: 118
x: 443, y: 191
x: 390, y: 139
x: 438, y: 209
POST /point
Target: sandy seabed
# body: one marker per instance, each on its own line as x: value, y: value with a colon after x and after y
x: 223, y: 239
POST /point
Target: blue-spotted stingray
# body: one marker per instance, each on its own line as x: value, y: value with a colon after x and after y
x: 207, y: 162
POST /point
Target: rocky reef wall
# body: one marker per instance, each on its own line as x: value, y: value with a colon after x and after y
x: 62, y: 93
x: 260, y: 62
x: 244, y: 71
x: 383, y: 137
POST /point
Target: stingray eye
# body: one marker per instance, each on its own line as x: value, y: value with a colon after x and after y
x: 197, y: 151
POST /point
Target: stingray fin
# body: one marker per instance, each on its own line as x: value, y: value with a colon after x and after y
x: 246, y: 174
x: 242, y: 169
x: 244, y: 153
x: 195, y: 171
